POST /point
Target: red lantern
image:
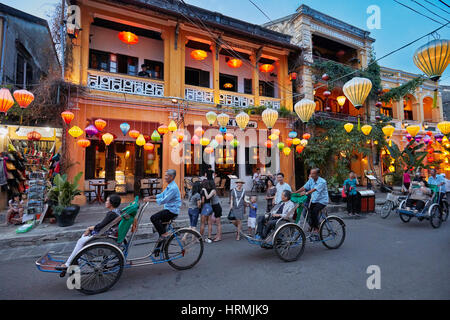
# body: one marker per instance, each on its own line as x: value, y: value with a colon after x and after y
x: 429, y: 133
x: 430, y: 151
x: 23, y: 98
x: 378, y: 104
x: 6, y: 100
x: 267, y: 67
x: 100, y: 124
x: 269, y: 144
x: 195, y: 140
x: 430, y: 158
x: 289, y: 142
x: 306, y: 136
x: 325, y: 77
x: 128, y: 37
x: 34, y: 136
x: 134, y: 134
x: 199, y: 55
x: 299, y: 149
x: 67, y: 116
x: 293, y: 76
x: 234, y: 63
x: 84, y: 143
x: 147, y: 138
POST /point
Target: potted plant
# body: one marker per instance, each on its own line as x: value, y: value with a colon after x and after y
x: 61, y: 195
x: 333, y: 187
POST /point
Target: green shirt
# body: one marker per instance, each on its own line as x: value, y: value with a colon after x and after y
x: 352, y: 184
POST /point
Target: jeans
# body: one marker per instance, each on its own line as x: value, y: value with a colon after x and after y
x: 193, y: 216
x: 162, y: 216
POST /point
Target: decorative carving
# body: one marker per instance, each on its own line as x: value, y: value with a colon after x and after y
x: 198, y: 95
x: 236, y: 100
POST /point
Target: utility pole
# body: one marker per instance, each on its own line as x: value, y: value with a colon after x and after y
x: 63, y: 38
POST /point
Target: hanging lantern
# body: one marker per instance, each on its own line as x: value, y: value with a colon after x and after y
x: 228, y: 136
x: 280, y: 146
x: 67, y: 116
x: 305, y: 109
x: 439, y: 137
x: 23, y: 98
x: 199, y: 131
x: 413, y: 130
x: 149, y: 146
x: 299, y: 149
x: 378, y: 104
x: 140, y: 141
x: 100, y: 124
x: 304, y: 142
x: 292, y: 134
x: 269, y: 144
x: 134, y: 134
x: 34, y: 136
x: 211, y: 117
x: 392, y: 169
x: 223, y: 119
x: 429, y: 133
x: 83, y: 143
x: 124, y: 127
x: 366, y: 129
x: 348, y: 127
x: 306, y: 136
x: 269, y: 117
x: 179, y: 135
x: 234, y: 63
x: 388, y: 131
x: 325, y: 77
x: 91, y: 130
x: 155, y: 136
x: 430, y: 151
x: 341, y: 100
x: 128, y: 38
x: 326, y: 94
x: 357, y: 90
x: 75, y: 131
x: 234, y: 143
x: 223, y: 130
x: 209, y: 150
x: 242, y: 120
x: 289, y: 142
x: 433, y: 58
x: 195, y: 140
x: 172, y: 126
x: 293, y: 76
x: 296, y: 141
x: 174, y: 142
x: 107, y: 138
x: 273, y: 137
x: 408, y: 137
x: 6, y: 100
x: 444, y: 127
x: 418, y: 138
x: 204, y: 141
x: 266, y: 67
x: 219, y: 138
x: 163, y: 129
x: 199, y: 55
x: 287, y: 151
x: 214, y: 144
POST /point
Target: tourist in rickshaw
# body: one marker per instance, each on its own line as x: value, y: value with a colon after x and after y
x: 418, y: 195
x: 265, y: 225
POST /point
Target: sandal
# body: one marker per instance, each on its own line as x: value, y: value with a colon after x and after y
x: 217, y: 240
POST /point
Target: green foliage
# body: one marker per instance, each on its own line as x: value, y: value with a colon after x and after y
x: 63, y: 191
x: 411, y: 157
x: 397, y: 93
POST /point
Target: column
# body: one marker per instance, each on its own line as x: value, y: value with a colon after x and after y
x: 174, y: 62
x: 255, y: 83
x: 419, y: 105
x: 86, y: 20
x: 216, y: 72
x: 303, y: 28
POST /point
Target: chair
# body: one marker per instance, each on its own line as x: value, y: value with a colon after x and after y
x: 89, y: 190
x: 110, y: 188
x: 145, y: 187
x: 221, y: 189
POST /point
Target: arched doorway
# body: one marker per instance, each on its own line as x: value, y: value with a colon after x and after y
x: 428, y: 109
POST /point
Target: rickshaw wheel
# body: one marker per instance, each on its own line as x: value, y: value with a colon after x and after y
x: 183, y: 249
x: 101, y: 266
x: 435, y: 216
x: 289, y: 242
x: 332, y: 227
x: 445, y: 209
x: 405, y: 217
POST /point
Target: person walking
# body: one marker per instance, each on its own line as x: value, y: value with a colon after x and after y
x: 270, y: 194
x: 406, y: 180
x: 237, y: 206
x: 352, y: 194
x: 195, y: 204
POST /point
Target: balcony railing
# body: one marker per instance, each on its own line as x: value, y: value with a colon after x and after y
x: 198, y: 94
x: 111, y: 82
x: 335, y: 116
x: 233, y: 99
x: 270, y: 102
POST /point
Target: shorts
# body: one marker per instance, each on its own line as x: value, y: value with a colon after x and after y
x: 217, y: 209
x: 251, y: 222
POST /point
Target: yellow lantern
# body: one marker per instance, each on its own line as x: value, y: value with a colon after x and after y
x: 275, y: 132
x: 341, y: 100
x: 366, y: 129
x: 223, y: 119
x: 357, y: 90
x: 75, y: 131
x: 388, y: 131
x: 172, y: 126
x: 391, y: 168
x: 107, y: 138
x: 273, y: 137
x: 140, y: 141
x: 305, y: 109
x: 348, y: 127
x: 303, y: 142
x: 242, y: 120
x: 269, y: 117
x: 211, y: 117
x: 433, y: 58
x: 296, y: 141
x: 204, y: 141
x: 174, y: 142
x: 444, y: 127
x: 286, y: 151
x: 413, y: 130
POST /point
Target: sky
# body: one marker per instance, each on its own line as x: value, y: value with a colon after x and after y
x: 399, y: 25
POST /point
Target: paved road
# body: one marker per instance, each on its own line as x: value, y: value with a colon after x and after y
x: 414, y: 261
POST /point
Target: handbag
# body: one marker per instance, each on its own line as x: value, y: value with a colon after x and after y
x: 344, y: 195
x: 231, y: 215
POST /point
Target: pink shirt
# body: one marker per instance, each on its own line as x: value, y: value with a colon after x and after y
x: 406, y: 177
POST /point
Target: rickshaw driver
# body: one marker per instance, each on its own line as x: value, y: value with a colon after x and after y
x: 317, y: 188
x: 439, y: 181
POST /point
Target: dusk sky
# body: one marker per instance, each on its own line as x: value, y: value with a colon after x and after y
x: 399, y: 25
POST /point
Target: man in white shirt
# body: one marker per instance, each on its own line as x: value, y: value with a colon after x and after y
x: 281, y: 186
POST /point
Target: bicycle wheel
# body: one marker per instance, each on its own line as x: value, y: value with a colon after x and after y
x: 183, y: 249
x: 386, y: 209
x: 101, y: 266
x: 435, y: 216
x: 444, y: 215
x: 289, y: 242
x: 332, y: 232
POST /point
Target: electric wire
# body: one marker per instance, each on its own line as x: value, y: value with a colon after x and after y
x: 418, y: 12
x: 437, y: 6
x: 430, y: 10
x: 257, y: 7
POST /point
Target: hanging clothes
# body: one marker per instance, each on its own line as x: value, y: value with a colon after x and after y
x: 3, y: 178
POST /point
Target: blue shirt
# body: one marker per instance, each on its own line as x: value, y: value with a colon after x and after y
x: 321, y: 193
x: 437, y: 181
x: 252, y: 212
x: 170, y: 198
x: 352, y: 184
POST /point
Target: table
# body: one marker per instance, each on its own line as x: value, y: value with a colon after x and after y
x: 98, y: 192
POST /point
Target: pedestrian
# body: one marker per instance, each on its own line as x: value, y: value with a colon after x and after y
x: 270, y: 194
x: 352, y: 194
x: 281, y: 186
x: 195, y: 204
x: 406, y: 180
x: 237, y: 206
x: 207, y: 210
x: 251, y: 222
x: 217, y: 211
x: 15, y: 211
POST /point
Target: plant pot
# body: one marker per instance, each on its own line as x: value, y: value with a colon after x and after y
x: 335, y: 197
x: 68, y: 215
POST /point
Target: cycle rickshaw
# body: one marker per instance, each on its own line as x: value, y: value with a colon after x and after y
x: 435, y: 209
x: 102, y: 260
x: 288, y: 237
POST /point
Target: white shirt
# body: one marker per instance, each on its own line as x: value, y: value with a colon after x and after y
x: 280, y: 188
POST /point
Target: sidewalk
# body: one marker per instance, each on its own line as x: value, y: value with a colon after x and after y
x: 91, y: 214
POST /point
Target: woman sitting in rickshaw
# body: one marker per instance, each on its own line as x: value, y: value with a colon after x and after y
x: 418, y: 195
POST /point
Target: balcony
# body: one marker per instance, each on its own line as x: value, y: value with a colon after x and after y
x: 233, y: 99
x: 199, y: 94
x: 120, y: 83
x: 270, y: 102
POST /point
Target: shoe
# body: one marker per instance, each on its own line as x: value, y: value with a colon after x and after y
x: 258, y: 237
x: 156, y: 252
x: 208, y: 240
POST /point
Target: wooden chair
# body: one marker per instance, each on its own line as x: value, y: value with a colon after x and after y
x: 221, y: 189
x: 145, y: 187
x: 110, y: 188
x: 89, y: 190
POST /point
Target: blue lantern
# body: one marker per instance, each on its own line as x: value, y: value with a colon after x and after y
x: 124, y: 127
x: 292, y: 134
x: 223, y: 130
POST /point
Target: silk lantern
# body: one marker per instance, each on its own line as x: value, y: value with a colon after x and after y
x: 67, y: 116
x: 204, y: 141
x: 304, y: 142
x: 195, y: 140
x: 292, y: 134
x: 149, y: 146
x: 234, y: 63
x: 388, y: 131
x: 134, y: 134
x: 299, y: 149
x: 289, y: 142
x: 433, y: 58
x: 444, y: 127
x: 306, y: 136
x: 75, y: 131
x: 242, y: 120
x: 268, y: 144
x: 6, y: 100
x: 366, y: 129
x: 91, y: 130
x: 267, y: 67
x: 348, y: 127
x: 128, y: 37
x: 413, y: 130
x: 219, y: 138
x: 100, y: 124
x: 174, y: 142
x: 356, y: 90
x: 269, y: 117
x: 211, y: 117
x: 83, y: 143
x: 199, y: 55
x: 23, y: 98
x: 280, y: 146
x: 140, y: 141
x: 286, y: 151
x: 341, y: 100
x: 155, y: 136
x: 223, y: 119
x: 234, y: 143
x: 228, y: 136
x: 124, y: 127
x: 107, y: 138
x: 305, y: 109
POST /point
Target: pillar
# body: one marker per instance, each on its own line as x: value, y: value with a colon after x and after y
x: 255, y: 78
x: 216, y: 72
x: 86, y: 20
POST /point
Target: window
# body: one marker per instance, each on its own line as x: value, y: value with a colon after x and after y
x: 248, y: 86
x: 266, y: 89
x: 251, y: 160
x: 387, y: 112
x: 111, y: 62
x: 20, y: 70
x: 155, y: 69
x: 99, y: 60
x: 408, y: 115
x: 228, y: 82
x: 127, y: 65
x: 197, y: 77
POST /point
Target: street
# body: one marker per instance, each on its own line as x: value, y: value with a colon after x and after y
x: 413, y: 258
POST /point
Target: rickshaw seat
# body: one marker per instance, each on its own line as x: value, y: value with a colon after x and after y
x: 299, y: 200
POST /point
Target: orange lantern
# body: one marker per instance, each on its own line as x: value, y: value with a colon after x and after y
x: 269, y: 144
x: 6, y: 100
x: 149, y: 146
x: 75, y: 131
x: 134, y: 134
x: 180, y: 136
x: 23, y: 98
x: 128, y: 37
x: 84, y: 143
x: 107, y: 138
x: 67, y: 116
x: 299, y: 148
x: 219, y: 138
x: 266, y: 67
x: 289, y: 142
x: 199, y: 55
x: 100, y: 124
x: 34, y: 136
x: 163, y: 129
x: 306, y: 136
x: 234, y: 63
x: 228, y: 136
